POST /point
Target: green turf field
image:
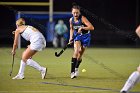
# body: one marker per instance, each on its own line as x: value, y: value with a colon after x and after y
x: 106, y: 71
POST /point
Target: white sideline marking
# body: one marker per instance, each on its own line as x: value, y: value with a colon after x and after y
x: 62, y: 91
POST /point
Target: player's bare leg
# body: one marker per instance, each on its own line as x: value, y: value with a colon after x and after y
x: 77, y: 46
x: 27, y: 54
x: 79, y: 60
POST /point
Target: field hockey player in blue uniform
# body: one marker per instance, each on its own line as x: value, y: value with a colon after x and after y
x: 80, y: 25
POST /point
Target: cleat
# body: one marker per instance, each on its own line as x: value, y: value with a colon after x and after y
x: 73, y: 75
x: 18, y: 77
x: 123, y: 92
x: 43, y: 73
x: 76, y: 72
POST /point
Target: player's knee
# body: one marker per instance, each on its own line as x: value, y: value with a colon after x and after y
x: 80, y: 51
x: 24, y: 58
x: 75, y: 54
x: 76, y: 51
x: 79, y: 60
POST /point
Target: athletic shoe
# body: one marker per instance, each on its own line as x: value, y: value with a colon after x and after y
x: 73, y: 75
x: 43, y: 73
x: 123, y: 92
x: 18, y: 77
x: 76, y: 72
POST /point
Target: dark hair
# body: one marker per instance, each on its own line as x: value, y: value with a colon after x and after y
x: 76, y: 7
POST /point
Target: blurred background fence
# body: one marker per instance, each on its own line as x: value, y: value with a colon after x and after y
x: 114, y: 21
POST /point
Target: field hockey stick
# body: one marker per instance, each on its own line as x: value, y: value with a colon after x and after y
x: 62, y: 51
x: 13, y: 56
x: 12, y: 65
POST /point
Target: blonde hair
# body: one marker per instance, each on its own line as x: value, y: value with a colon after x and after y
x: 20, y: 22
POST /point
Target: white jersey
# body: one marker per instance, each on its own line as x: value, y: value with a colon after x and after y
x: 30, y: 35
x: 36, y: 38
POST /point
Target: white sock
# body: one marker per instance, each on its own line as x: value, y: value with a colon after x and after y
x: 132, y: 80
x: 22, y: 68
x: 34, y: 64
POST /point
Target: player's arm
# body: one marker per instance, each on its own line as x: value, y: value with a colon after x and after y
x: 17, y: 33
x: 89, y: 26
x: 138, y: 31
x: 71, y: 30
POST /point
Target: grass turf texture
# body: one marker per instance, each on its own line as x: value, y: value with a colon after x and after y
x: 107, y: 69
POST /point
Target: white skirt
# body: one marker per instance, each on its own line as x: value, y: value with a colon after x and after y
x: 38, y: 45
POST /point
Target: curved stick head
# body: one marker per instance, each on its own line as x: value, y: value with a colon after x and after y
x: 56, y: 54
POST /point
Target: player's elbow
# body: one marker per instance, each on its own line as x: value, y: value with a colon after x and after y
x: 91, y: 28
x: 137, y: 31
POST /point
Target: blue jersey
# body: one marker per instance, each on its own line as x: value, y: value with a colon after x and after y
x: 85, y: 36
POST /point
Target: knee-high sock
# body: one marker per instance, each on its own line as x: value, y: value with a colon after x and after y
x: 73, y: 64
x: 78, y: 63
x: 34, y: 64
x: 132, y: 80
x: 22, y: 68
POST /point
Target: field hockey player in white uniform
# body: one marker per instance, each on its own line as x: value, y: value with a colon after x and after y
x: 37, y: 43
x: 134, y: 78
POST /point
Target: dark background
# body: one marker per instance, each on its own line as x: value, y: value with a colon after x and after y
x: 115, y: 21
